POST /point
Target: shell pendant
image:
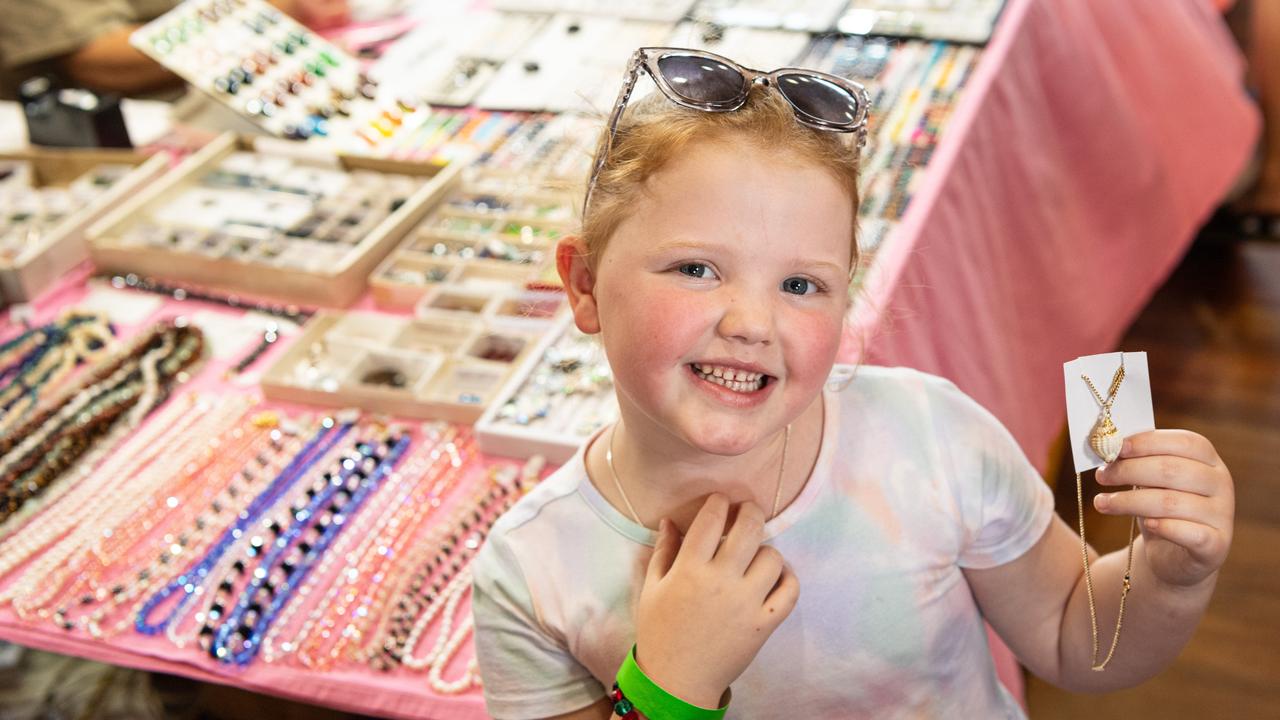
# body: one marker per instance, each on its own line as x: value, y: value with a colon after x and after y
x: 1105, y: 439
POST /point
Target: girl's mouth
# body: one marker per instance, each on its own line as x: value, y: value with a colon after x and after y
x: 739, y: 381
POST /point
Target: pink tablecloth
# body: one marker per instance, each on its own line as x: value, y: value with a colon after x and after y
x: 1093, y: 139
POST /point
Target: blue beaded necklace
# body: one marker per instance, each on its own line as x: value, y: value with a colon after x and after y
x: 187, y: 582
x: 250, y: 633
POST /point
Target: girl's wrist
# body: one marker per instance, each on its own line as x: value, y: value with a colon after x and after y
x: 650, y: 693
x: 692, y: 693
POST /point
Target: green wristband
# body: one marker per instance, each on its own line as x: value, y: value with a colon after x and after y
x: 654, y: 702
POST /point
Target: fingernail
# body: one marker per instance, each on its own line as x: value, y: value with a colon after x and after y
x: 1151, y: 523
x: 1102, y: 501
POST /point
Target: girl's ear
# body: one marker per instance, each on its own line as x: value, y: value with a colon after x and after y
x: 579, y: 283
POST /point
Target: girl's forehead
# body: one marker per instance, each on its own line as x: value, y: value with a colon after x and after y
x: 715, y: 198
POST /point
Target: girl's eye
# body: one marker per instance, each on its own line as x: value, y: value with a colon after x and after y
x: 696, y: 270
x: 799, y: 286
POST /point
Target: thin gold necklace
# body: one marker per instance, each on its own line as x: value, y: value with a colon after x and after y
x: 608, y: 458
x: 1105, y: 441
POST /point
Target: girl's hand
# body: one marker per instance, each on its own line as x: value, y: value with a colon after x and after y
x: 1185, y: 501
x: 706, y: 608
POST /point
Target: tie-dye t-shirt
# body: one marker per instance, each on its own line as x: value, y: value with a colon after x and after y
x: 913, y: 481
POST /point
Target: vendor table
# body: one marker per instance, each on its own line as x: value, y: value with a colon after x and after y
x: 1093, y: 139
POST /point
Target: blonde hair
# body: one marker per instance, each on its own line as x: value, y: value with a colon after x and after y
x: 654, y: 130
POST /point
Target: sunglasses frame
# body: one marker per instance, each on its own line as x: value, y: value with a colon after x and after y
x: 646, y: 59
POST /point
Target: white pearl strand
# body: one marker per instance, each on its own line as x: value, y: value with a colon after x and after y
x: 142, y: 448
x: 445, y: 652
x: 282, y: 513
x: 30, y: 546
x: 101, y: 519
x: 380, y: 509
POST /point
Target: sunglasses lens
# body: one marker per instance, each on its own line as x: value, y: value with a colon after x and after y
x: 819, y: 98
x: 702, y: 80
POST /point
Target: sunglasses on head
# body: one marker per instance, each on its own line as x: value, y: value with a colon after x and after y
x: 705, y: 81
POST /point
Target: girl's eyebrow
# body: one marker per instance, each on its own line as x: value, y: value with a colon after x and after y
x: 681, y: 244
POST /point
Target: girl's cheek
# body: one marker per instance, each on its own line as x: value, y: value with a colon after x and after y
x: 812, y: 339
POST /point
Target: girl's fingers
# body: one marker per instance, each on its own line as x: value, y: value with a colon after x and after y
x: 782, y: 600
x: 664, y: 550
x: 1161, y: 471
x: 743, y: 540
x: 705, y: 531
x: 1182, y: 443
x: 1156, y: 503
x: 1203, y: 542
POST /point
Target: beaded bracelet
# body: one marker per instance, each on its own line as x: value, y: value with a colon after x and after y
x: 635, y: 691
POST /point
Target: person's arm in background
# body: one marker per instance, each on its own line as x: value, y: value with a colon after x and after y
x: 109, y: 63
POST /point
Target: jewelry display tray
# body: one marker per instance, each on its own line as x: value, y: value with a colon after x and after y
x: 437, y: 359
x: 336, y: 286
x: 500, y: 437
x: 24, y: 277
x: 414, y: 256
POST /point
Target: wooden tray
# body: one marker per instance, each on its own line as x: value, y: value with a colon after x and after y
x: 337, y: 287
x: 438, y: 359
x: 24, y: 277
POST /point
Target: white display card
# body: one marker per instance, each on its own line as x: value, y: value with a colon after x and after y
x: 1131, y: 412
x: 120, y: 306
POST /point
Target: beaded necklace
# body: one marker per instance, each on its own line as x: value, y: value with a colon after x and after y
x: 97, y: 518
x: 232, y: 575
x: 284, y: 444
x: 328, y: 436
x: 239, y: 622
x: 378, y: 511
x: 172, y: 504
x: 20, y: 540
x: 456, y: 542
x: 350, y: 606
x: 64, y: 437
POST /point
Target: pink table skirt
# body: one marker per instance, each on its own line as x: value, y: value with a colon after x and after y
x: 1093, y: 139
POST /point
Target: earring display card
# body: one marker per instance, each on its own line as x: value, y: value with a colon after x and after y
x: 655, y: 10
x: 562, y: 395
x: 574, y: 64
x: 269, y: 221
x: 970, y: 21
x: 47, y: 198
x: 267, y: 67
x: 449, y: 57
x: 914, y: 87
x: 491, y: 233
x: 760, y: 48
x: 805, y: 15
x: 1131, y: 411
x: 445, y: 368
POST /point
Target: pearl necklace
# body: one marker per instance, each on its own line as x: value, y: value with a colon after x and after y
x: 100, y: 521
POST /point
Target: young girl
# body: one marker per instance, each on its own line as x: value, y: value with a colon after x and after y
x: 744, y: 536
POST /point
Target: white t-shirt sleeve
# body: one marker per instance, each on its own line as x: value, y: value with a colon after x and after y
x: 527, y: 670
x: 1004, y: 504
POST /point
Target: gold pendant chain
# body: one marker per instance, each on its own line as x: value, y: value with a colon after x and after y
x: 1084, y: 545
x: 617, y: 482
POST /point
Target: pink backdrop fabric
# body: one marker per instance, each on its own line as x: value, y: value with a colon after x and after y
x: 1094, y: 138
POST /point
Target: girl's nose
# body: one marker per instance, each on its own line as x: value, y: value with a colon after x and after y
x: 747, y: 319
